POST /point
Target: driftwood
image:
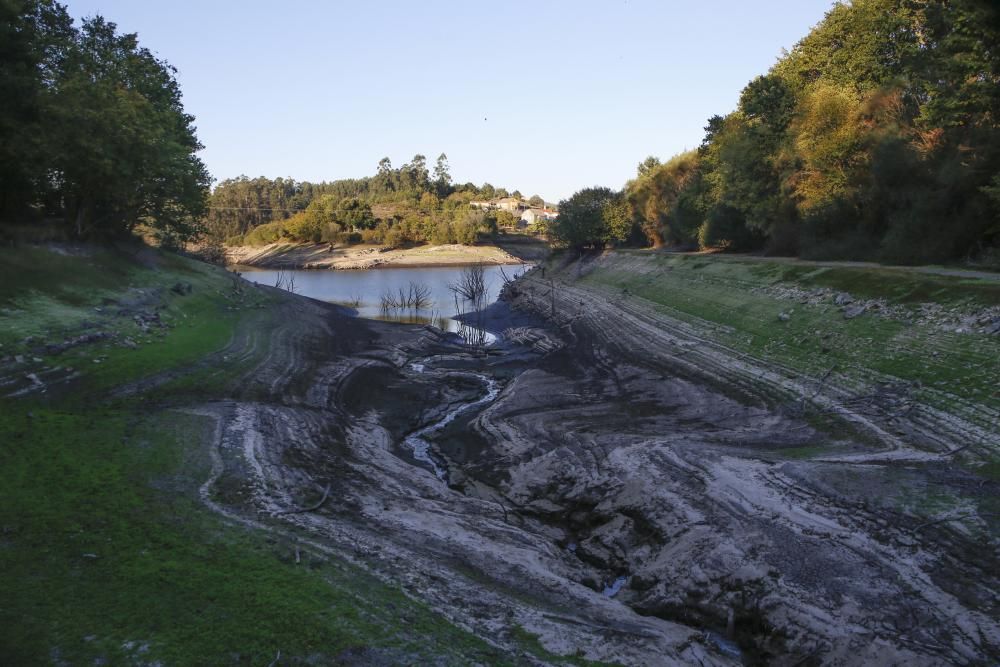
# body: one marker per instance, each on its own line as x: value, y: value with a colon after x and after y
x: 311, y: 508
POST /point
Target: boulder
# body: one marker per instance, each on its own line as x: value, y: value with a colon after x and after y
x: 853, y: 311
x: 843, y: 299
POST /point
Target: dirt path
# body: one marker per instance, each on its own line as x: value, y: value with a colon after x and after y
x: 927, y: 270
x: 622, y: 506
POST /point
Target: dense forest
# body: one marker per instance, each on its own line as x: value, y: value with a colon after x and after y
x: 397, y: 207
x: 875, y: 137
x: 92, y: 129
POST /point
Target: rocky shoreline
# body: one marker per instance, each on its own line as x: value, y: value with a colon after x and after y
x: 362, y: 257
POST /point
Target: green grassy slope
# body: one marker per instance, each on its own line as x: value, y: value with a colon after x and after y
x: 926, y: 331
x: 106, y: 551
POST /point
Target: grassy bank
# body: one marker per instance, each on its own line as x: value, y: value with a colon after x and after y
x: 863, y: 327
x: 107, y: 552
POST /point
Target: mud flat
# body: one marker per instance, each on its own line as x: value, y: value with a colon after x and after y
x: 619, y: 484
x: 321, y: 256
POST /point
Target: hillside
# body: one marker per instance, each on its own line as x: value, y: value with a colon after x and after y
x: 701, y: 459
x: 114, y: 543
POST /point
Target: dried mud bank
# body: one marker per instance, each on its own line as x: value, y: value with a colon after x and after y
x: 877, y: 548
x: 362, y: 257
x: 615, y: 483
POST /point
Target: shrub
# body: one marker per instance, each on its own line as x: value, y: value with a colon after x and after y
x: 724, y: 228
x: 260, y: 235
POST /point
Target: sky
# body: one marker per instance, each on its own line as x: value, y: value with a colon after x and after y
x: 542, y: 97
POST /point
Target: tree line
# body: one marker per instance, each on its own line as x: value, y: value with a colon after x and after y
x: 396, y: 206
x: 876, y: 137
x: 92, y: 129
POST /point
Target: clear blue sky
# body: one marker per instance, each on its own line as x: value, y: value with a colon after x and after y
x: 545, y: 97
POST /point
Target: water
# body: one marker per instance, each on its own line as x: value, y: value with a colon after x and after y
x: 362, y: 290
x: 611, y: 590
x: 417, y: 441
x: 725, y: 646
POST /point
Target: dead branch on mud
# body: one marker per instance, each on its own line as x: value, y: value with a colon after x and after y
x: 311, y: 508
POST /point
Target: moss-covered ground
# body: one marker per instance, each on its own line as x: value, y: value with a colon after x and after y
x: 740, y: 301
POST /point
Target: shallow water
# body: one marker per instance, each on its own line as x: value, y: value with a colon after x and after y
x: 417, y: 441
x: 362, y: 290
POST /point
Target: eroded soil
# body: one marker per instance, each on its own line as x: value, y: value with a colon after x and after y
x: 633, y: 507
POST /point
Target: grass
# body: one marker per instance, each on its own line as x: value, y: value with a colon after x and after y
x: 105, y: 543
x: 108, y: 555
x: 730, y: 300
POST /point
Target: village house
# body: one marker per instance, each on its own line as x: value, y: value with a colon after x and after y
x: 511, y: 204
x: 536, y: 215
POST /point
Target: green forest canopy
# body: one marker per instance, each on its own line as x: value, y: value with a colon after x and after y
x: 397, y: 207
x: 92, y: 129
x: 875, y: 137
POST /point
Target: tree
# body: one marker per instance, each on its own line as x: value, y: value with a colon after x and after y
x: 536, y: 202
x: 504, y: 219
x: 418, y: 167
x: 583, y: 219
x: 648, y: 165
x: 113, y: 147
x: 655, y: 201
x: 442, y: 177
x: 34, y: 39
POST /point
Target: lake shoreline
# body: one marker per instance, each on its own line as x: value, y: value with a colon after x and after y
x: 320, y: 256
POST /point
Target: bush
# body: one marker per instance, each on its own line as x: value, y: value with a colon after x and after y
x: 443, y: 233
x: 236, y: 240
x: 331, y: 233
x: 304, y: 227
x: 270, y: 232
x: 725, y: 228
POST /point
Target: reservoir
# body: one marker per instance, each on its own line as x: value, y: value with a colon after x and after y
x: 364, y: 290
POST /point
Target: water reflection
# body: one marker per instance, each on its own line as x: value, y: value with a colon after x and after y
x: 363, y: 290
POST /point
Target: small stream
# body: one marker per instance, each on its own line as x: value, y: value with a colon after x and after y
x: 417, y: 441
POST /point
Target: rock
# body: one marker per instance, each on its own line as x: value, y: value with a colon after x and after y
x: 37, y: 360
x: 18, y: 359
x: 784, y: 316
x: 843, y: 299
x: 853, y: 311
x: 181, y: 288
x: 33, y: 378
x: 59, y: 348
x: 994, y: 327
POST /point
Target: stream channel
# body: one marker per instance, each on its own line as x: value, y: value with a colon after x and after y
x: 363, y: 291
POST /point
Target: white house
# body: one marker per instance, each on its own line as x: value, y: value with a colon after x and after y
x: 532, y: 215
